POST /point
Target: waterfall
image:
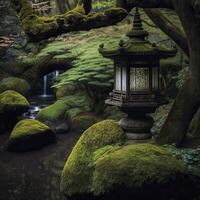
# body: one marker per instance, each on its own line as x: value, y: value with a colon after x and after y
x: 44, y: 86
x: 56, y: 73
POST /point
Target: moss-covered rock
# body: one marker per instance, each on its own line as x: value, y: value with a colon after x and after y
x: 16, y: 84
x: 77, y: 173
x: 82, y: 121
x: 29, y: 135
x: 139, y: 167
x: 12, y: 105
x: 100, y: 167
x: 54, y: 116
x: 53, y: 112
x: 11, y: 101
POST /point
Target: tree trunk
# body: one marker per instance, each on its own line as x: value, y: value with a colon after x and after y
x: 172, y: 30
x: 188, y: 100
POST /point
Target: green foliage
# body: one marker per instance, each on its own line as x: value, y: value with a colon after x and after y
x: 190, y: 156
x: 160, y: 116
x: 77, y: 173
x: 77, y: 100
x: 65, y: 90
x: 90, y: 69
x: 91, y: 72
x: 16, y: 84
x: 53, y: 112
x: 56, y: 48
x: 28, y: 127
x: 181, y: 77
x: 11, y: 100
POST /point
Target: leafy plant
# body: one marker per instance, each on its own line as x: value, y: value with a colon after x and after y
x: 190, y: 156
x: 91, y: 72
x: 181, y: 77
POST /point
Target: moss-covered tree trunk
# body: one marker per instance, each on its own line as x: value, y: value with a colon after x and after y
x: 39, y: 28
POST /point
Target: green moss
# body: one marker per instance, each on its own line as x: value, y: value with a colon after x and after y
x: 134, y: 166
x: 77, y: 10
x: 99, y: 153
x: 73, y: 112
x: 82, y: 121
x: 39, y: 25
x: 65, y: 90
x: 78, y: 100
x: 77, y: 173
x: 53, y: 112
x: 11, y: 100
x: 100, y: 164
x: 28, y: 127
x: 23, y: 8
x: 30, y: 134
x: 16, y: 84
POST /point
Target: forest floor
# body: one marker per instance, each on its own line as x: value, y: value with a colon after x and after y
x: 34, y: 175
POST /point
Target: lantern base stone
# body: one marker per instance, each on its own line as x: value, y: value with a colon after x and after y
x: 138, y: 136
x: 137, y: 128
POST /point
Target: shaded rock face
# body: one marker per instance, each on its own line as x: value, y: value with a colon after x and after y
x: 10, y: 27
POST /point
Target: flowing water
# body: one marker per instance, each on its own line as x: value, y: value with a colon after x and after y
x: 37, y: 102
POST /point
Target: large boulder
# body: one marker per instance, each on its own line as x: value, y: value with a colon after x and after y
x: 30, y: 134
x: 77, y: 173
x: 16, y: 84
x: 12, y: 105
x: 101, y: 166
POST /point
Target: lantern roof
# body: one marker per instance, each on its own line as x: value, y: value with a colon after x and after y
x: 137, y: 44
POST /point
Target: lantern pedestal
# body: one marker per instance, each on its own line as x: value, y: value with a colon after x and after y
x: 137, y: 125
x: 137, y: 128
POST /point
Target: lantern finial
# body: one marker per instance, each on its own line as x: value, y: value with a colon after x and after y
x: 137, y: 32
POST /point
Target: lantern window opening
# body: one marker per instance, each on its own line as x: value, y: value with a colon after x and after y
x: 139, y: 78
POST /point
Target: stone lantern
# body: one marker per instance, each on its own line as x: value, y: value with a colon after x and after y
x: 137, y: 89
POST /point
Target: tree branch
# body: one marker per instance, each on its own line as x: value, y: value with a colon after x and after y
x: 39, y: 28
x: 169, y: 28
